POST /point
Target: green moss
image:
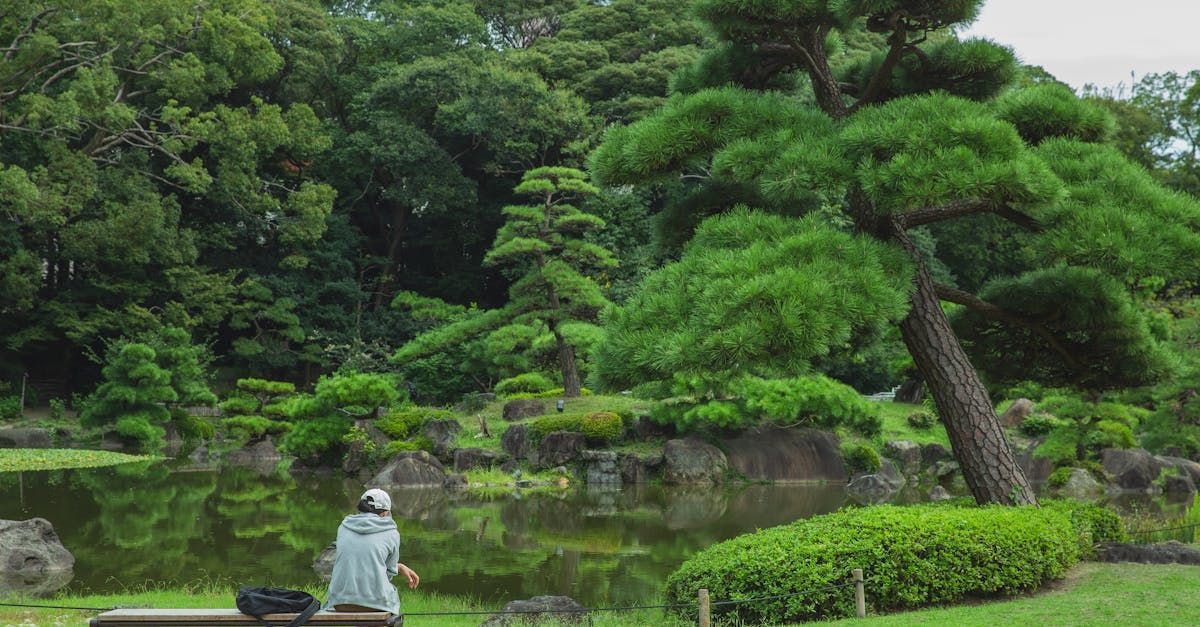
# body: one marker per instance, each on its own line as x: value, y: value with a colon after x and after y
x: 26, y: 459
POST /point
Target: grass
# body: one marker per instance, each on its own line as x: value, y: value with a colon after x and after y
x: 896, y: 427
x: 1092, y: 594
x: 21, y: 459
x: 220, y: 596
x: 470, y: 436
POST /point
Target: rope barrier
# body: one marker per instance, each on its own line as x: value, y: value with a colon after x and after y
x: 784, y: 596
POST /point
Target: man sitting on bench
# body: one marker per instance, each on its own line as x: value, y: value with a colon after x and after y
x: 368, y: 556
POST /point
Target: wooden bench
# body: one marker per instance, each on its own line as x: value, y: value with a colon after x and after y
x: 229, y: 618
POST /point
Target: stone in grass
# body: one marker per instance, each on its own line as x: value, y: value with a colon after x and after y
x: 560, y: 447
x: 548, y: 610
x: 938, y: 493
x: 1082, y: 486
x: 516, y: 441
x: 468, y: 458
x: 693, y: 462
x: 442, y: 434
x: 523, y: 408
x: 1170, y: 552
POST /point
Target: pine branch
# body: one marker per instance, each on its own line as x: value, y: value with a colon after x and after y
x: 995, y: 312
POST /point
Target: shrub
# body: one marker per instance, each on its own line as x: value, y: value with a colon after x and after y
x: 921, y: 420
x: 597, y: 426
x: 861, y: 457
x: 58, y: 409
x: 318, y: 440
x: 913, y: 556
x: 251, y: 427
x: 401, y: 423
x: 10, y: 407
x: 1059, y: 477
x: 815, y: 399
x: 1035, y: 425
x: 528, y: 383
x: 420, y: 443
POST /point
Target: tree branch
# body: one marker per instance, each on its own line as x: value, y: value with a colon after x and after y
x: 898, y: 41
x: 959, y: 208
x: 995, y: 312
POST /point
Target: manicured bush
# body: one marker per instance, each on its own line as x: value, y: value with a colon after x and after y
x: 401, y: 423
x: 1059, y: 477
x: 317, y: 440
x: 420, y: 443
x: 528, y: 383
x: 250, y: 427
x: 921, y: 420
x: 1039, y: 424
x: 597, y: 426
x: 912, y: 556
x: 861, y: 457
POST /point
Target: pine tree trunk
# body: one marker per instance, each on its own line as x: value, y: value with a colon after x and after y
x: 570, y: 372
x: 979, y: 444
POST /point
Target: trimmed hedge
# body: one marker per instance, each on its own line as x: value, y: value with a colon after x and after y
x: 401, y: 423
x: 597, y: 426
x: 912, y: 556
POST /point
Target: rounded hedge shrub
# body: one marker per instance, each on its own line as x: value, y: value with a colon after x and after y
x: 528, y: 383
x: 912, y: 556
x: 401, y: 423
x: 921, y: 420
x: 597, y: 426
x: 861, y: 458
x: 1039, y: 424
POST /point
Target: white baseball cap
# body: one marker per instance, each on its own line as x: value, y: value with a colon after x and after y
x: 377, y: 499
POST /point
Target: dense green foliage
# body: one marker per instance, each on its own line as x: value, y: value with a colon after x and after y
x: 913, y: 556
x: 600, y: 427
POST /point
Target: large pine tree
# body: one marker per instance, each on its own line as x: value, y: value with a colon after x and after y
x: 920, y: 134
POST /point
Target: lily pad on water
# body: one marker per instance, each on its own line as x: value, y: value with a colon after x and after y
x: 20, y: 459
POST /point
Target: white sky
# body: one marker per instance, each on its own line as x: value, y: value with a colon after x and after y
x: 1096, y: 41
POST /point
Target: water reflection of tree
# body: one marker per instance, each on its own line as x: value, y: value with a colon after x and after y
x: 145, y: 522
x: 254, y: 505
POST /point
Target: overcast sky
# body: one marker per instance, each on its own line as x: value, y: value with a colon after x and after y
x: 1096, y: 41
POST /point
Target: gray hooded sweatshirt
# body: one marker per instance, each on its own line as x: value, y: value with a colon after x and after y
x: 368, y: 549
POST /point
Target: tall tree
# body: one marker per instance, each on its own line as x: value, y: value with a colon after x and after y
x: 545, y: 240
x: 893, y: 142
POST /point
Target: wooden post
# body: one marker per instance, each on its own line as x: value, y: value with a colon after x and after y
x: 860, y: 599
x: 24, y: 378
x: 705, y: 619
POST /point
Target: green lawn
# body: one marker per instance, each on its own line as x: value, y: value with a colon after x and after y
x: 18, y: 459
x: 1092, y: 594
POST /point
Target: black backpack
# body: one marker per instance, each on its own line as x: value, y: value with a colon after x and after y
x: 259, y: 602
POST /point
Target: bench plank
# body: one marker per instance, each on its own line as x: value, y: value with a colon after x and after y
x: 228, y: 617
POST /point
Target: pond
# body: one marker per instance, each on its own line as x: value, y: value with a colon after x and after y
x: 149, y: 523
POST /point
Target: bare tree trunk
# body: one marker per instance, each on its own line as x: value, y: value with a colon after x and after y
x: 570, y: 372
x: 980, y: 446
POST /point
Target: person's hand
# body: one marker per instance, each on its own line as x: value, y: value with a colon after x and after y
x: 410, y: 575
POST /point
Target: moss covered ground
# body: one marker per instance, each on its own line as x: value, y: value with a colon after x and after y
x: 26, y: 459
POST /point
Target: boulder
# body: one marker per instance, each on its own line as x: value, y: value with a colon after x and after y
x: 910, y: 391
x: 323, y: 565
x: 600, y: 469
x: 510, y: 466
x: 942, y: 470
x: 1186, y: 466
x: 25, y: 437
x: 1132, y: 469
x: 443, y: 434
x: 33, y: 561
x: 516, y: 441
x: 1170, y: 552
x: 938, y: 493
x: 413, y: 469
x: 468, y: 458
x: 455, y: 483
x: 172, y: 441
x: 1082, y: 486
x: 932, y: 453
x: 523, y: 408
x: 647, y: 429
x: 559, y: 447
x: 1179, y: 485
x: 906, y: 454
x: 1017, y: 412
x: 258, y: 453
x: 535, y: 611
x: 693, y: 462
x: 775, y: 454
x: 1036, y: 469
x: 871, y: 489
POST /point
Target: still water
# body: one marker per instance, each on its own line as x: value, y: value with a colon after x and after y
x: 150, y: 523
